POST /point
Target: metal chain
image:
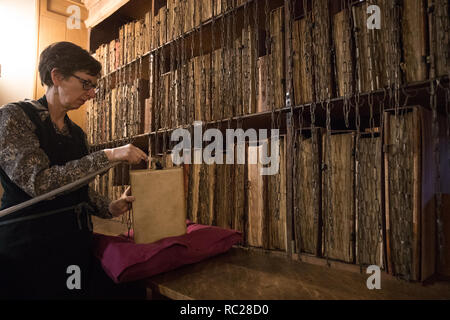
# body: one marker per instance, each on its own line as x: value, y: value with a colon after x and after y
x: 436, y: 156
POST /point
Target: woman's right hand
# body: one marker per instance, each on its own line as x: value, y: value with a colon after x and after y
x: 128, y: 153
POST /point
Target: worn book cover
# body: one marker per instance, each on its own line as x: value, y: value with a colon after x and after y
x: 159, y: 210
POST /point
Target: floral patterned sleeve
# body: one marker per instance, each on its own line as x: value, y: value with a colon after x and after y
x: 100, y: 204
x: 28, y: 166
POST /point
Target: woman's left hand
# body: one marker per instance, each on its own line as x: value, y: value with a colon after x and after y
x: 122, y: 205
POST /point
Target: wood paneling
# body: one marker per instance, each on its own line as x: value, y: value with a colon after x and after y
x: 53, y: 28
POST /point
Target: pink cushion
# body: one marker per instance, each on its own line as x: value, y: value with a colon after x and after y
x: 125, y: 261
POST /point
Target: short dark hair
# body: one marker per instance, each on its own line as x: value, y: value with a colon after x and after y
x: 68, y: 58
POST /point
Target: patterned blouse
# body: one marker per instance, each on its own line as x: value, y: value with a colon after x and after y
x: 28, y: 166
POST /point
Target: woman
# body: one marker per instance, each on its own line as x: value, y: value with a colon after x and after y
x: 42, y: 149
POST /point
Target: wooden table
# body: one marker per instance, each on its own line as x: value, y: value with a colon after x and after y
x: 247, y: 275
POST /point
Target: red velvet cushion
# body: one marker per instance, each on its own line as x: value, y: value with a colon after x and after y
x: 125, y: 261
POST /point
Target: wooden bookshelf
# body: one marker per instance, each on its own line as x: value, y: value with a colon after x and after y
x: 233, y: 68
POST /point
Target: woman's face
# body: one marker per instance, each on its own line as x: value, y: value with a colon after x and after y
x: 75, y: 90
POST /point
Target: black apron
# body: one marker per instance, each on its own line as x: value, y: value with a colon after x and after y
x: 40, y: 257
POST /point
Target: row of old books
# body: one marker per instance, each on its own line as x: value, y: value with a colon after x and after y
x: 353, y: 202
x: 200, y: 92
x: 180, y: 16
x: 236, y: 80
x: 237, y: 196
x: 117, y: 114
x: 228, y: 82
x: 133, y: 42
x: 360, y: 199
x: 364, y: 59
x: 166, y: 23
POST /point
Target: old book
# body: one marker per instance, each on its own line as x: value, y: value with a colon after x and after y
x: 307, y: 193
x: 112, y: 56
x: 175, y: 96
x: 189, y: 15
x: 127, y: 44
x: 118, y: 54
x: 147, y: 31
x: 216, y: 85
x: 164, y: 102
x: 151, y: 93
x: 410, y: 190
x: 163, y: 25
x: 114, y: 114
x: 207, y: 177
x: 224, y: 196
x: 155, y: 30
x: 321, y: 37
x: 140, y: 38
x: 190, y: 96
x: 171, y: 19
x: 255, y: 196
x: 141, y: 88
x: 202, y: 74
x: 154, y: 219
x: 99, y: 57
x: 277, y: 66
x: 137, y: 39
x: 249, y: 69
x: 377, y: 50
x: 302, y: 58
x: 193, y: 192
x: 132, y: 36
x: 236, y: 71
x: 148, y: 116
x: 414, y: 35
x: 338, y: 196
x: 369, y: 57
x: 183, y: 75
x: 171, y: 107
x: 202, y: 11
x: 217, y: 7
x: 179, y: 96
x: 275, y: 237
x: 227, y: 77
x: 239, y: 197
x: 206, y: 9
x: 439, y: 23
x: 107, y: 111
x: 369, y: 206
x: 263, y: 84
x: 403, y: 213
x: 122, y: 45
x: 344, y: 59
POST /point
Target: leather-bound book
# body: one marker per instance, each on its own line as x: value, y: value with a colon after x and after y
x: 159, y: 210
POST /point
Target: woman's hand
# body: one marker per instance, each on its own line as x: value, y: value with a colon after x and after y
x: 128, y: 153
x: 122, y: 205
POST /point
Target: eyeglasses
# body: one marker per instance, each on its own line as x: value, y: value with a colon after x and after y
x: 87, y: 85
